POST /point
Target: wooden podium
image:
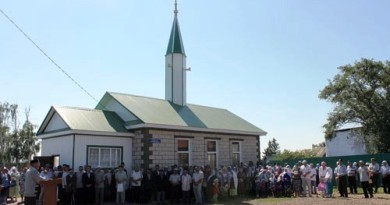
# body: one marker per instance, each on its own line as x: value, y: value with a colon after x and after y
x: 50, y: 191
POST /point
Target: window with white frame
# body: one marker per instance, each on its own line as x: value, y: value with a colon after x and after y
x: 106, y: 157
x: 183, y: 150
x: 236, y: 152
x: 212, y: 152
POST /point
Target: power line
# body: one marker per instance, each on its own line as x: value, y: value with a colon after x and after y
x: 50, y: 59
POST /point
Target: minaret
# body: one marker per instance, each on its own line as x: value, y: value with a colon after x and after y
x: 175, y: 66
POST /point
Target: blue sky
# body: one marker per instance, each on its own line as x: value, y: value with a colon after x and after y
x: 266, y: 61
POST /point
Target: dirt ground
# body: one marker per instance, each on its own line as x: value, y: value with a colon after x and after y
x: 379, y: 199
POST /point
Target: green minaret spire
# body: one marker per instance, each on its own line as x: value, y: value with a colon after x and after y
x: 175, y: 44
x: 175, y: 66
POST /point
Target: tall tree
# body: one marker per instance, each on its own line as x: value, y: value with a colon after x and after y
x: 272, y: 149
x: 27, y: 135
x: 360, y: 93
x: 5, y: 115
x: 17, y: 144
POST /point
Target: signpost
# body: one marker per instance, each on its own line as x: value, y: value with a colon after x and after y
x: 155, y: 140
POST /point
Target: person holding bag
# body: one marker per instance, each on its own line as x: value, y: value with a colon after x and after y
x: 121, y: 179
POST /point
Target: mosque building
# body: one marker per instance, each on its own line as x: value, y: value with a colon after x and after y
x: 146, y: 131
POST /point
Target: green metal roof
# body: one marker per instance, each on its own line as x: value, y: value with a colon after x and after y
x: 175, y: 44
x: 90, y: 119
x: 158, y: 111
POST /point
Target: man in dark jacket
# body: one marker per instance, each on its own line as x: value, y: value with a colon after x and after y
x: 89, y: 185
x: 70, y: 186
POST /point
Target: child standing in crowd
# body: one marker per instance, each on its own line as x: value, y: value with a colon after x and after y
x: 215, y: 190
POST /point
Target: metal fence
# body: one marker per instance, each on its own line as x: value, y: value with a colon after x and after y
x: 331, y: 161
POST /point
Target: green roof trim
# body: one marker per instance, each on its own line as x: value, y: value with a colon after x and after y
x: 175, y: 44
x: 90, y: 119
x: 162, y: 112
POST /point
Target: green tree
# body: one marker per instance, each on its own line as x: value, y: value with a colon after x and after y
x: 17, y: 144
x: 287, y: 155
x: 5, y: 116
x: 28, y: 136
x: 360, y: 93
x: 272, y: 149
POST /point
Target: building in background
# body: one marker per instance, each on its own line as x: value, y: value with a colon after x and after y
x: 148, y: 131
x: 345, y: 142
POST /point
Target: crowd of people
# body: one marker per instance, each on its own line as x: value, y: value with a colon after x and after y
x: 193, y: 184
x: 11, y: 184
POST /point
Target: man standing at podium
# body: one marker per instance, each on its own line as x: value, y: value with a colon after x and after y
x: 32, y: 178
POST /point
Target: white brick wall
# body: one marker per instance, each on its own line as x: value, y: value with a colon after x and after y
x: 164, y: 153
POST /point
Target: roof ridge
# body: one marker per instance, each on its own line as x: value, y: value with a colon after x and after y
x: 209, y: 107
x: 154, y: 98
x: 137, y: 96
x: 79, y: 108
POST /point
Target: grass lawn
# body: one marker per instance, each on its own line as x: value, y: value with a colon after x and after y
x: 379, y: 198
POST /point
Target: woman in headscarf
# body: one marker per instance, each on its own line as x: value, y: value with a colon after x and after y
x: 233, y: 183
x: 5, y: 184
x: 225, y: 182
x: 210, y: 185
x: 14, y: 188
x: 241, y: 181
x: 296, y: 181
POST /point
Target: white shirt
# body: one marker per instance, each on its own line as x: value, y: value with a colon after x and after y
x: 306, y: 170
x: 385, y: 170
x: 135, y: 176
x: 174, y: 179
x: 374, y: 168
x: 48, y: 175
x: 64, y: 174
x: 32, y: 178
x: 313, y: 174
x: 363, y: 173
x: 321, y: 172
x: 328, y: 174
x: 196, y: 176
x: 186, y: 182
x: 336, y: 169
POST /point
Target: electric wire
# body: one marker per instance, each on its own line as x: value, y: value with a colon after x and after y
x: 50, y: 59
